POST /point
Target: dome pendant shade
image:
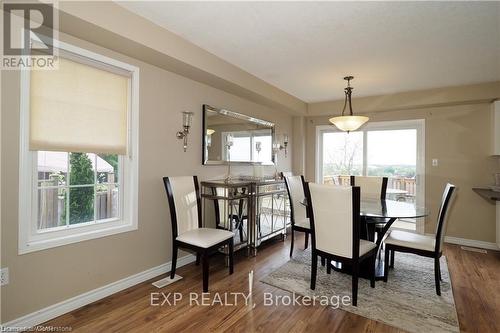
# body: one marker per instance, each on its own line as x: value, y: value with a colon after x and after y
x: 351, y: 122
x: 348, y: 123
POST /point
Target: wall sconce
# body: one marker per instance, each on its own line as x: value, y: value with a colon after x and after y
x: 186, y: 124
x: 209, y: 137
x: 258, y: 147
x: 277, y: 146
x: 285, y: 143
x: 228, y: 144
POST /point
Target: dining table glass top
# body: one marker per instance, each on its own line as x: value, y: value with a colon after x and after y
x: 389, y: 209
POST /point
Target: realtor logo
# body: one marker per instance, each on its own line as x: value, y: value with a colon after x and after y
x: 28, y: 35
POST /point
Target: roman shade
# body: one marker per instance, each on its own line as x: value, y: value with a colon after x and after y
x: 79, y: 108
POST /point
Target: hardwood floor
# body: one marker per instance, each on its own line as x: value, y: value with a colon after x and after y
x: 475, y: 278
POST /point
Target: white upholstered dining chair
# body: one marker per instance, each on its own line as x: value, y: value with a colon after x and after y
x: 427, y: 246
x: 298, y: 214
x: 334, y: 212
x: 187, y: 232
x: 372, y: 188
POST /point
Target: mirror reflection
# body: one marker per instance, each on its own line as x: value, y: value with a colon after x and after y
x: 231, y: 136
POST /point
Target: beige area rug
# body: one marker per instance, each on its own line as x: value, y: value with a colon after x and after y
x: 407, y: 301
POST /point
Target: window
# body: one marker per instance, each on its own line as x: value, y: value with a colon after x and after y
x: 77, y: 188
x: 241, y: 151
x: 392, y: 149
x: 78, y: 152
x: 342, y: 153
x: 253, y: 146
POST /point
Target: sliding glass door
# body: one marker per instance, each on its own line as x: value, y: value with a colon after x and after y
x: 392, y: 149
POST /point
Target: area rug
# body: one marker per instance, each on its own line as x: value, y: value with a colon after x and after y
x: 407, y: 301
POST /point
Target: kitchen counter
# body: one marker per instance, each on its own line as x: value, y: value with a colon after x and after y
x: 487, y: 193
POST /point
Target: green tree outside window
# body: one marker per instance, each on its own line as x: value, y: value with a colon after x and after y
x: 81, y: 199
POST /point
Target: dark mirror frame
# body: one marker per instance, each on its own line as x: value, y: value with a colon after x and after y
x: 204, y: 157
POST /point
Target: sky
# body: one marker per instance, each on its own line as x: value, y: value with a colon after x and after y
x: 392, y: 147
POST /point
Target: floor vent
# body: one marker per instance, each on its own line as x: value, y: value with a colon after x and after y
x: 166, y: 281
x: 473, y: 249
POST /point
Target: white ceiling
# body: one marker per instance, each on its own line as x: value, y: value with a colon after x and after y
x: 305, y: 48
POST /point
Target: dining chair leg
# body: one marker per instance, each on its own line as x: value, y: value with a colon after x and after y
x: 241, y: 231
x: 355, y: 277
x: 439, y: 264
x: 306, y: 241
x: 328, y: 266
x: 314, y: 269
x: 204, y: 260
x: 323, y: 261
x: 174, y: 261
x: 437, y: 273
x: 291, y: 245
x: 231, y: 256
x: 386, y: 263
x: 392, y: 259
x: 373, y: 261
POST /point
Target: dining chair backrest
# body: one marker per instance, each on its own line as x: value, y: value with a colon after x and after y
x: 371, y: 187
x: 220, y: 204
x: 296, y: 194
x: 334, y: 216
x: 185, y: 203
x: 443, y: 216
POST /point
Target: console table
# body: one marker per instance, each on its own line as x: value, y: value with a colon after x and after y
x: 257, y: 208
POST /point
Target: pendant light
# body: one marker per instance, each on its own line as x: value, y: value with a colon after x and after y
x: 351, y: 122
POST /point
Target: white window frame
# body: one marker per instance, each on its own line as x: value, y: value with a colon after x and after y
x: 418, y: 124
x: 31, y: 239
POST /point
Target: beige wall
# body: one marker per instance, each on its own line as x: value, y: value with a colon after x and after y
x: 46, y: 277
x: 418, y: 99
x: 299, y: 148
x: 460, y: 137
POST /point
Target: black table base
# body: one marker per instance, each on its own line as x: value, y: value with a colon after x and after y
x: 368, y: 233
x: 364, y: 268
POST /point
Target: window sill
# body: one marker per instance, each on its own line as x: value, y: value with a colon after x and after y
x: 34, y: 244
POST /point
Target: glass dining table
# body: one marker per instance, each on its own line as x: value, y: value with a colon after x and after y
x: 379, y: 212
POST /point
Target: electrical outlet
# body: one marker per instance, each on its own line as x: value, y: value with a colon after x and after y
x: 435, y: 162
x: 4, y: 276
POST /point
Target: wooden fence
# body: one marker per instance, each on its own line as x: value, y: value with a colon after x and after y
x: 51, y: 206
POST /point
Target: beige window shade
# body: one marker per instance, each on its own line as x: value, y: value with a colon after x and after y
x: 79, y: 108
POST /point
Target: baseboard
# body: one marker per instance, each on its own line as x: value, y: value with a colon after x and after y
x: 56, y: 310
x: 471, y: 243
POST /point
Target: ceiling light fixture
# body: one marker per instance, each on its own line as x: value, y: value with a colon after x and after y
x: 351, y: 122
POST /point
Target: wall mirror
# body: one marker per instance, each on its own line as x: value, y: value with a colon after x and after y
x: 230, y: 136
